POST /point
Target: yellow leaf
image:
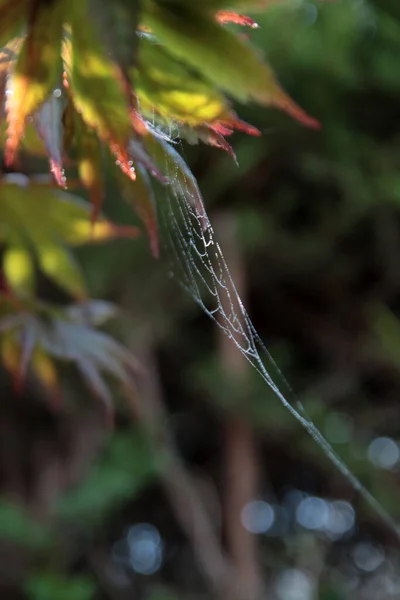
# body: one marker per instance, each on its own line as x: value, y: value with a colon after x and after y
x: 19, y: 270
x: 173, y: 90
x: 59, y: 265
x: 194, y: 37
x: 90, y: 169
x: 10, y: 355
x: 36, y: 71
x: 95, y: 86
x: 46, y: 372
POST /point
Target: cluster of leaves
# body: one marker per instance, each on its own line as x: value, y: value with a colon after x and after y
x: 85, y: 83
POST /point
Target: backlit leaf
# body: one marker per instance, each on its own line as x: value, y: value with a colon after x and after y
x: 219, y: 55
x: 207, y: 136
x: 171, y: 88
x: 19, y: 270
x: 32, y: 209
x: 57, y: 262
x: 96, y: 89
x: 229, y: 16
x: 46, y: 221
x: 91, y: 169
x: 36, y: 71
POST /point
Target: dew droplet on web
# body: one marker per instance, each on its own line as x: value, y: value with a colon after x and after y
x: 57, y: 93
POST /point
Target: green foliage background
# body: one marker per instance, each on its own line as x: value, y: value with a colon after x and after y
x: 318, y: 227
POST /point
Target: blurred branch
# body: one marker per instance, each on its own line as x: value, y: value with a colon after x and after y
x: 241, y: 463
x: 177, y: 482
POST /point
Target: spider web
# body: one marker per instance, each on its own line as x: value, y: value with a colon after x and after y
x: 200, y: 267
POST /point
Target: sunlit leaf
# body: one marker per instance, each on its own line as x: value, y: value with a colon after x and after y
x: 46, y: 220
x: 172, y: 89
x: 8, y: 54
x: 58, y: 263
x: 229, y: 16
x: 36, y: 72
x: 18, y: 269
x: 91, y: 169
x: 207, y: 136
x: 118, y: 21
x: 143, y: 157
x: 28, y: 207
x: 219, y: 55
x: 96, y: 88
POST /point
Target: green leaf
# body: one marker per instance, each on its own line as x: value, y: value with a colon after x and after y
x: 118, y: 21
x: 57, y: 262
x: 219, y: 55
x: 173, y: 90
x: 47, y: 220
x: 140, y: 195
x: 12, y: 16
x: 95, y: 85
x: 90, y: 167
x: 37, y: 70
x: 18, y: 269
x: 28, y: 207
x: 17, y: 526
x: 122, y: 470
x: 54, y: 586
x: 48, y: 121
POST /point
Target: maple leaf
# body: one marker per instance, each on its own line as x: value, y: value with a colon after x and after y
x: 84, y: 82
x: 87, y: 87
x: 42, y: 224
x: 36, y: 70
x: 36, y: 337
